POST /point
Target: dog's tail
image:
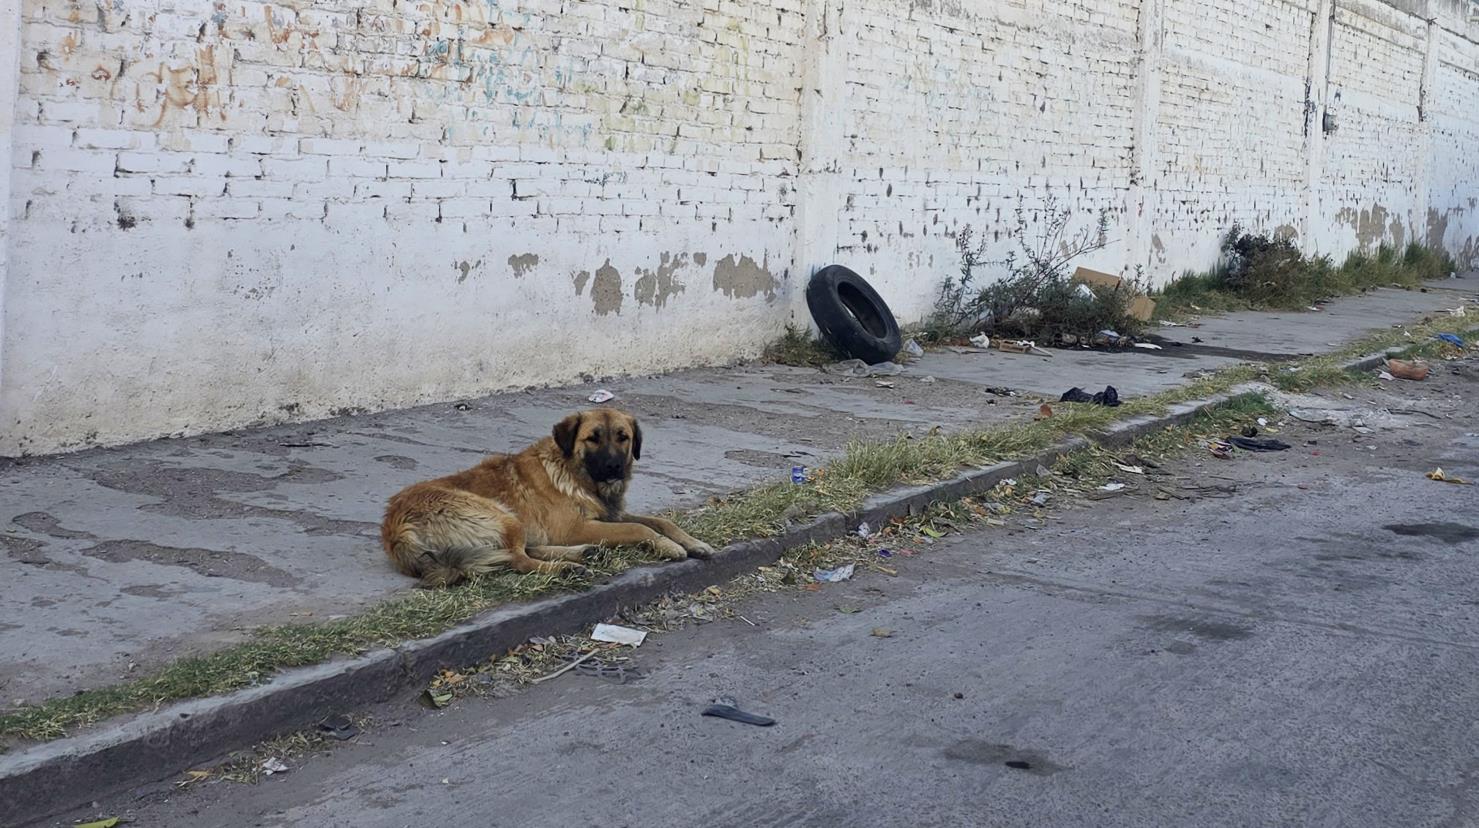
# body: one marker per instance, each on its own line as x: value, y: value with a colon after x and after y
x: 437, y: 565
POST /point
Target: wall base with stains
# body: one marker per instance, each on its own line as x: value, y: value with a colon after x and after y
x: 252, y: 212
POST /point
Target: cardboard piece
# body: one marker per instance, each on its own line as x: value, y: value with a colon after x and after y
x: 1141, y: 307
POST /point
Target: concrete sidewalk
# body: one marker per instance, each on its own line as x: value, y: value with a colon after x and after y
x: 121, y: 559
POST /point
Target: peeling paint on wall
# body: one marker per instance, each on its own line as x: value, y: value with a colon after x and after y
x: 1437, y: 227
x: 1370, y: 225
x: 370, y: 140
x: 743, y: 277
x: 606, y: 292
x: 655, y: 287
x: 465, y: 268
x: 521, y: 265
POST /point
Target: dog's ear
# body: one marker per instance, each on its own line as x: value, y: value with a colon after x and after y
x: 565, y: 432
x: 636, y: 440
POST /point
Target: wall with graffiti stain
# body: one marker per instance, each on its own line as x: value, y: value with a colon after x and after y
x: 240, y: 212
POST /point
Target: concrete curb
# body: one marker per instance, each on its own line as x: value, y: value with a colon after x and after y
x: 49, y: 778
x: 1368, y: 362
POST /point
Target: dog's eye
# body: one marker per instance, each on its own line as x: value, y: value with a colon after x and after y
x: 593, y: 439
x: 620, y: 438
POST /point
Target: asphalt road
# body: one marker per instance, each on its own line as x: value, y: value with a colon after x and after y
x: 1297, y: 647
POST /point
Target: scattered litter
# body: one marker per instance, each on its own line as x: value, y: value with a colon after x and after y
x: 927, y: 379
x: 1458, y: 311
x: 864, y: 530
x: 847, y: 609
x: 618, y: 670
x: 270, y: 765
x: 339, y: 728
x: 1166, y: 323
x: 99, y: 823
x: 981, y: 341
x: 1108, y: 397
x: 437, y: 697
x: 885, y: 553
x: 1041, y: 498
x: 601, y: 396
x: 1438, y: 475
x: 882, y: 632
x: 1044, y: 471
x: 1140, y: 307
x: 859, y: 368
x: 832, y: 576
x: 462, y: 407
x: 1044, y: 411
x: 1086, y: 292
x: 1106, y: 337
x: 614, y: 634
x: 887, y: 570
x: 883, y: 383
x: 1111, y: 487
x: 1402, y: 369
x: 1259, y: 444
x: 567, y: 668
x: 1220, y: 449
x: 1000, y: 391
x: 734, y: 714
x: 798, y: 474
x: 1149, y: 346
x: 191, y: 777
x: 913, y: 349
x: 1262, y: 421
x: 1129, y: 469
x: 1022, y: 346
x: 1249, y: 431
x: 1451, y: 339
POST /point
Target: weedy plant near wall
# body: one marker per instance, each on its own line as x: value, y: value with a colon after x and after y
x: 1262, y: 272
x: 1036, y: 298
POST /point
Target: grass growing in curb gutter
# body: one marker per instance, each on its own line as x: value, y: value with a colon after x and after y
x: 864, y: 469
x: 508, y: 673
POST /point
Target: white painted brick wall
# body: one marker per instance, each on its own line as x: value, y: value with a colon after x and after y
x: 327, y: 199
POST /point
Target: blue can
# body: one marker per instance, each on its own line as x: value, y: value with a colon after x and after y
x: 798, y: 474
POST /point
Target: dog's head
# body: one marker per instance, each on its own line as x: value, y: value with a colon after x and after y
x: 603, y: 441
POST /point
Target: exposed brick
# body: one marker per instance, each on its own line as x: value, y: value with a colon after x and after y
x: 558, y: 126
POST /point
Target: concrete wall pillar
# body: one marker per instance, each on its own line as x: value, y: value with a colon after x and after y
x: 10, y: 60
x: 1423, y: 202
x: 1316, y: 105
x: 1140, y: 209
x: 824, y: 110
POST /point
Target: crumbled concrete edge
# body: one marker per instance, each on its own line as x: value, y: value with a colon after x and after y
x: 1368, y: 362
x: 49, y: 778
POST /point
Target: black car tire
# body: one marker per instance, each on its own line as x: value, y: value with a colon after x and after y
x: 852, y: 316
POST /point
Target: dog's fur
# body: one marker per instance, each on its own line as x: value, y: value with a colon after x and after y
x: 539, y: 510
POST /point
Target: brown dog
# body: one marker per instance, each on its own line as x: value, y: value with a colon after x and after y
x: 536, y: 511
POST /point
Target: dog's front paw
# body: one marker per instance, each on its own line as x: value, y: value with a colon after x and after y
x: 700, y: 550
x: 670, y: 550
